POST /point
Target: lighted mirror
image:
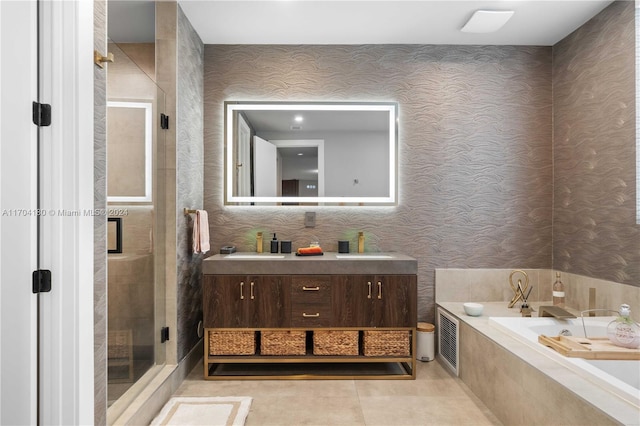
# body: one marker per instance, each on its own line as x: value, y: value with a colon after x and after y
x: 129, y: 144
x: 310, y: 153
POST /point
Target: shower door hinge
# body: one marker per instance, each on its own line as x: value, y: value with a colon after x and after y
x: 41, y: 281
x: 164, y: 121
x: 41, y: 114
x: 164, y: 334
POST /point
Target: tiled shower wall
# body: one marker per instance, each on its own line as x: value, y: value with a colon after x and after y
x: 594, y: 228
x: 474, y: 155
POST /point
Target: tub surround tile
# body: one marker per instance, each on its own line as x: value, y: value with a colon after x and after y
x: 491, y: 285
x: 495, y: 351
x: 487, y: 285
x: 609, y: 295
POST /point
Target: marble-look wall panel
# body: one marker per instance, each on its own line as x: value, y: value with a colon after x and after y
x: 100, y: 222
x: 595, y: 233
x: 190, y: 57
x: 474, y: 155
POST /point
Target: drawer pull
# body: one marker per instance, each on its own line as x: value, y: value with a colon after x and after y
x: 369, y: 285
x: 379, y: 290
x: 241, y: 292
x: 252, y: 291
x: 305, y: 315
x: 305, y: 288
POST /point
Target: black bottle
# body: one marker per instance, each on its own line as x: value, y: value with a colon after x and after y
x: 274, y: 244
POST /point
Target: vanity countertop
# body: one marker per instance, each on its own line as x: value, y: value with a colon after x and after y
x: 327, y: 264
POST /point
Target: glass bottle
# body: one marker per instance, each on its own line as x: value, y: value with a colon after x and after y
x: 623, y: 331
x: 558, y: 292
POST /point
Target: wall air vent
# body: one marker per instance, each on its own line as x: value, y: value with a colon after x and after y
x: 448, y: 334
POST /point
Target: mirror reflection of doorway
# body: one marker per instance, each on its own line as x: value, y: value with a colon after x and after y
x: 243, y: 155
x: 265, y: 168
x: 301, y: 167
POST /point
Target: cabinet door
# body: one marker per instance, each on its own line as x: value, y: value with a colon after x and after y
x: 395, y: 301
x: 231, y: 301
x: 225, y: 301
x: 374, y: 301
x: 351, y: 301
x: 270, y: 301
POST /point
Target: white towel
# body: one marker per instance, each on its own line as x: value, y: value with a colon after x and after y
x: 201, y: 232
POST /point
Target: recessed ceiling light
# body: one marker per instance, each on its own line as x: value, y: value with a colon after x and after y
x: 300, y: 153
x: 298, y: 118
x: 487, y: 21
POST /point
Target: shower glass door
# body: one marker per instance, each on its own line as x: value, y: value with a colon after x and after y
x: 135, y: 204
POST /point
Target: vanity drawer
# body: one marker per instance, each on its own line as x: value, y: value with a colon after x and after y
x: 311, y: 289
x: 310, y: 315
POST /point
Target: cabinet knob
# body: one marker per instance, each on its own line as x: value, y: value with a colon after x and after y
x: 305, y: 315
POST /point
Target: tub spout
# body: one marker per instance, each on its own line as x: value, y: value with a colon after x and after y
x: 555, y: 312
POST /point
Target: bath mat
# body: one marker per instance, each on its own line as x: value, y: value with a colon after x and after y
x: 219, y: 411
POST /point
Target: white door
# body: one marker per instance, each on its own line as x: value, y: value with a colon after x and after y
x: 18, y: 242
x: 57, y: 386
x: 265, y: 168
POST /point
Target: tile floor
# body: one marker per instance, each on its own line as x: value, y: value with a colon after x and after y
x: 435, y: 398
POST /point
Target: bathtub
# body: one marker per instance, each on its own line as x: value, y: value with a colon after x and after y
x: 621, y: 378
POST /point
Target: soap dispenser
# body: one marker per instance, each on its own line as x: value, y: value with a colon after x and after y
x: 274, y: 244
x: 259, y: 242
x: 360, y: 242
x: 623, y: 331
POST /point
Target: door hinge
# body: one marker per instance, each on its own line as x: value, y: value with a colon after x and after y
x: 164, y: 334
x: 41, y: 281
x: 164, y: 121
x: 41, y: 114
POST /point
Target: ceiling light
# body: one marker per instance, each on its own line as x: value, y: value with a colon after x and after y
x: 487, y: 21
x: 300, y: 153
x: 298, y: 118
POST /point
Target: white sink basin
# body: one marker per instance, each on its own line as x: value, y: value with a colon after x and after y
x: 363, y: 256
x: 256, y: 256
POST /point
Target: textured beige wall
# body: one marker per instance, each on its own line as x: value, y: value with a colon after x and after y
x: 475, y: 176
x: 100, y: 222
x: 189, y: 157
x: 594, y: 230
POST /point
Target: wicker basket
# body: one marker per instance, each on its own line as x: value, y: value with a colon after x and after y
x: 386, y: 343
x: 232, y: 342
x: 283, y: 343
x: 335, y: 342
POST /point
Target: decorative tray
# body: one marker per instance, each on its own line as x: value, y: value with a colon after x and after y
x: 588, y: 348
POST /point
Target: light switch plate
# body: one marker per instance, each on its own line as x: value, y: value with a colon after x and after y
x: 310, y: 219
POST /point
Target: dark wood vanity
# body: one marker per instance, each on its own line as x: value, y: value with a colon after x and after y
x: 272, y: 321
